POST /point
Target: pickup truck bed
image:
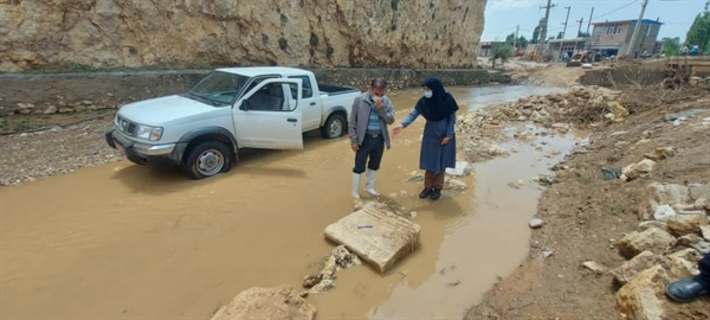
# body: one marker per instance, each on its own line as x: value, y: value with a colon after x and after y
x: 333, y: 90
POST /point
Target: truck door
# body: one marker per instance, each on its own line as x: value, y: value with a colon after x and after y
x: 268, y: 117
x: 312, y: 109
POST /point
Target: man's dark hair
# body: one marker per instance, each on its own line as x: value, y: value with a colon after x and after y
x: 379, y: 83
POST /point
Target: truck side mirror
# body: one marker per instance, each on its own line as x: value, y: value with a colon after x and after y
x: 245, y: 105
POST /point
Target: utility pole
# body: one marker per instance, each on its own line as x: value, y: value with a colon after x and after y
x: 631, y: 45
x: 589, y: 24
x: 515, y: 40
x: 543, y: 34
x: 581, y: 21
x: 564, y: 30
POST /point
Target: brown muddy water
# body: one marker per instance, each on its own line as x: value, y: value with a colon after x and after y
x: 121, y: 241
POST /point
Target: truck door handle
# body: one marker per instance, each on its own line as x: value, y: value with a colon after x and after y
x: 313, y: 103
x: 292, y: 120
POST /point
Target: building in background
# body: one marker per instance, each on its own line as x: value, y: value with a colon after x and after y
x: 558, y: 47
x: 612, y: 38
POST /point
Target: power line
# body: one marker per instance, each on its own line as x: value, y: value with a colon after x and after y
x: 618, y: 9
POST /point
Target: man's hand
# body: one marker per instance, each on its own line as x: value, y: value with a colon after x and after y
x: 378, y: 104
x: 445, y: 140
x: 355, y: 147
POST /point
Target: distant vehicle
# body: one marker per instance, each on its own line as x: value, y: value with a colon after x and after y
x: 578, y: 59
x: 229, y: 109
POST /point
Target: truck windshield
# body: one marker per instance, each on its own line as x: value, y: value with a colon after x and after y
x: 220, y: 88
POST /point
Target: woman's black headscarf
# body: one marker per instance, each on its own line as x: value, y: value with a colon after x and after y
x: 440, y: 105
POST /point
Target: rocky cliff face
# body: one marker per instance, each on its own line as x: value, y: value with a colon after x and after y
x: 322, y: 33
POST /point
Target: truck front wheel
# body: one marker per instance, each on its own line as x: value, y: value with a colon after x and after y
x: 334, y: 127
x: 207, y: 159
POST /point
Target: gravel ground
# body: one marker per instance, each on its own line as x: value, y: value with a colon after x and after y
x: 38, y: 155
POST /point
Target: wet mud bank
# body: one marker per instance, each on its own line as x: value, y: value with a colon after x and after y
x: 47, y: 94
x: 109, y: 229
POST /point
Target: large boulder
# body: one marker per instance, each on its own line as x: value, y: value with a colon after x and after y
x: 652, y: 239
x: 277, y: 303
x: 640, y: 263
x: 642, y: 298
x: 687, y: 224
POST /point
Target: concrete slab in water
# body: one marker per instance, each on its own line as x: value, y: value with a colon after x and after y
x: 377, y: 236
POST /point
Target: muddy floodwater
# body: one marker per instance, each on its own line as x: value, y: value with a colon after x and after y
x: 121, y: 241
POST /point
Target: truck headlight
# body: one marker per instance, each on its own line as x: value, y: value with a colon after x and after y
x: 149, y: 133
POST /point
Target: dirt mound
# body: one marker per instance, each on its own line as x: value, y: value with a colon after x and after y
x: 578, y: 267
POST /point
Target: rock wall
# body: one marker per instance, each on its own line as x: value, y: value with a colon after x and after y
x: 624, y: 76
x: 29, y: 94
x: 319, y: 33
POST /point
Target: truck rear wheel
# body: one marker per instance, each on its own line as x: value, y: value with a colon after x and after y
x: 207, y: 159
x: 334, y: 127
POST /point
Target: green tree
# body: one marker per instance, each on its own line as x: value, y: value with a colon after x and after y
x: 502, y: 51
x: 560, y: 35
x: 522, y: 41
x: 699, y: 32
x: 583, y: 35
x: 671, y: 46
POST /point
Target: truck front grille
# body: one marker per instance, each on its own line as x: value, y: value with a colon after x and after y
x: 125, y: 126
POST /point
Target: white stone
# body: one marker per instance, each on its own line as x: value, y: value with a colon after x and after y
x: 379, y: 237
x: 663, y: 212
x: 463, y: 168
x: 535, y: 223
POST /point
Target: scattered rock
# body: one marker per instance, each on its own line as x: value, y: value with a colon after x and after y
x: 638, y: 169
x: 660, y: 154
x: 65, y: 110
x: 278, y: 303
x: 645, y: 225
x: 642, y: 298
x: 663, y: 213
x: 495, y: 150
x: 535, y: 223
x: 463, y: 168
x: 695, y: 242
x: 699, y: 191
x: 415, y: 176
x: 311, y: 280
x: 681, y: 268
x: 689, y: 254
x: 594, y: 266
x: 50, y: 110
x: 705, y: 231
x: 653, y: 239
x: 322, y: 286
x: 455, y: 184
x: 547, y: 179
x: 687, y: 224
x: 670, y: 193
x: 643, y: 261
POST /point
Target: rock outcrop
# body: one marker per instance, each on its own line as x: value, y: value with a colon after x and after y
x: 135, y: 33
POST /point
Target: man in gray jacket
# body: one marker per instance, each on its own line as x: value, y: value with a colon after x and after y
x: 370, y: 115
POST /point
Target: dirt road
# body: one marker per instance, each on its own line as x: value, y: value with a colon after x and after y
x: 121, y: 241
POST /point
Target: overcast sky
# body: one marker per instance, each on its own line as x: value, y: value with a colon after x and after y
x: 503, y: 15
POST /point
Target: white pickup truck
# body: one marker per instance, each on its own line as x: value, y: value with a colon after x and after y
x: 229, y: 109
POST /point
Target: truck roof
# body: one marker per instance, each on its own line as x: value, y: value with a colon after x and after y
x: 257, y: 71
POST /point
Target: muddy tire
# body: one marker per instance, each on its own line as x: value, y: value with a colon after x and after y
x: 207, y: 159
x: 334, y: 127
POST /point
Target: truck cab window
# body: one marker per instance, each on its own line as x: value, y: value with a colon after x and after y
x: 269, y: 98
x: 307, y: 91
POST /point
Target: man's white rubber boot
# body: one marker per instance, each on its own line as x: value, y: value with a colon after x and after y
x: 370, y: 184
x: 356, y: 185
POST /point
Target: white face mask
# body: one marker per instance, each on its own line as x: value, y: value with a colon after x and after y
x: 428, y: 93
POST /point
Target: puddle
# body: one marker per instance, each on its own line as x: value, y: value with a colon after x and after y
x: 123, y: 242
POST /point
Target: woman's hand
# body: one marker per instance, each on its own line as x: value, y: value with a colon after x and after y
x: 397, y: 129
x: 445, y: 140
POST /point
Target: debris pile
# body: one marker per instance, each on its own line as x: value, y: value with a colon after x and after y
x: 339, y: 259
x: 665, y: 247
